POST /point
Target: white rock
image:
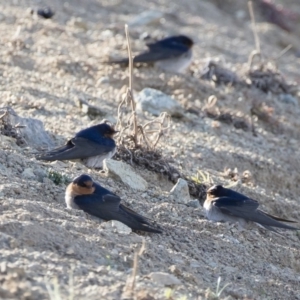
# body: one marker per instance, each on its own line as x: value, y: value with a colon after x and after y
x: 33, y: 131
x: 7, y: 141
x: 194, y: 203
x: 116, y: 226
x: 156, y: 102
x: 146, y: 17
x: 125, y: 173
x: 288, y: 98
x: 120, y: 227
x: 164, y: 278
x: 103, y: 80
x: 180, y: 191
x: 28, y: 174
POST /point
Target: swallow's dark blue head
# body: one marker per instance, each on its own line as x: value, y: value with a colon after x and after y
x: 83, y: 180
x: 105, y: 130
x: 82, y: 185
x: 177, y: 41
x: 184, y: 40
x: 100, y: 130
x: 45, y: 12
x: 180, y: 42
x: 215, y: 191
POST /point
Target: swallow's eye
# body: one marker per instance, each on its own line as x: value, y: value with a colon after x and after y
x: 88, y: 184
x: 214, y: 189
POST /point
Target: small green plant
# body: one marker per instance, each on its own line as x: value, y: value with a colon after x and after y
x: 58, y: 178
x: 201, y: 177
x: 217, y: 294
x: 168, y: 293
x: 109, y: 263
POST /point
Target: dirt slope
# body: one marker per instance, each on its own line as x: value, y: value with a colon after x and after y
x: 46, y: 65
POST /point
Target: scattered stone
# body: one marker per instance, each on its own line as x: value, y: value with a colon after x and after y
x: 2, y: 17
x: 40, y: 173
x: 180, y: 191
x: 116, y: 226
x: 103, y: 80
x: 164, y: 278
x: 120, y: 227
x: 220, y: 75
x: 7, y: 141
x: 89, y: 109
x: 194, y: 203
x: 288, y: 98
x: 146, y: 17
x: 79, y: 23
x: 125, y: 173
x: 156, y: 102
x: 29, y: 129
x: 28, y: 174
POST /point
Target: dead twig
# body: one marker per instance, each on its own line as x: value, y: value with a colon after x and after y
x: 257, y: 51
x: 131, y: 281
x: 137, y: 143
x: 129, y: 91
x: 137, y: 254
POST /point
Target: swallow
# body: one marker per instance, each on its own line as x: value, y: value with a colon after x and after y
x: 172, y: 54
x: 224, y: 204
x: 85, y: 194
x: 91, y: 146
x: 45, y: 12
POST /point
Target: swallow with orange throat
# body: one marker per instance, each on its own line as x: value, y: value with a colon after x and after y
x: 85, y: 194
x: 225, y: 205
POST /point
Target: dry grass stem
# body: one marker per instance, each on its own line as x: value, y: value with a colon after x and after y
x: 131, y: 281
x: 257, y: 51
x: 129, y: 91
x: 137, y: 143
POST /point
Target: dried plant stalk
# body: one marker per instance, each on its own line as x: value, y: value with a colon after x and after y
x: 137, y: 143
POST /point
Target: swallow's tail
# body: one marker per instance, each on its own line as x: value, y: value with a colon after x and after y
x: 280, y: 219
x: 136, y: 221
x: 54, y: 154
x: 136, y: 215
x: 268, y: 220
x: 135, y: 224
x: 148, y: 228
x: 121, y: 61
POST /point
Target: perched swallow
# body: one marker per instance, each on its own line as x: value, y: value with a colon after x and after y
x: 224, y: 204
x: 91, y: 146
x: 85, y: 194
x: 45, y: 12
x: 172, y: 54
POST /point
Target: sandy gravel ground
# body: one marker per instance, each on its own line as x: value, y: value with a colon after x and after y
x: 47, y: 65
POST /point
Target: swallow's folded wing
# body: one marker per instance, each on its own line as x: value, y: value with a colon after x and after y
x: 236, y: 207
x: 247, y: 209
x: 107, y: 207
x: 157, y: 51
x: 76, y: 148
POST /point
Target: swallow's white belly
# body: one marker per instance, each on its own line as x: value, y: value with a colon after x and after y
x: 214, y: 214
x: 176, y: 65
x: 97, y: 161
x: 69, y: 198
